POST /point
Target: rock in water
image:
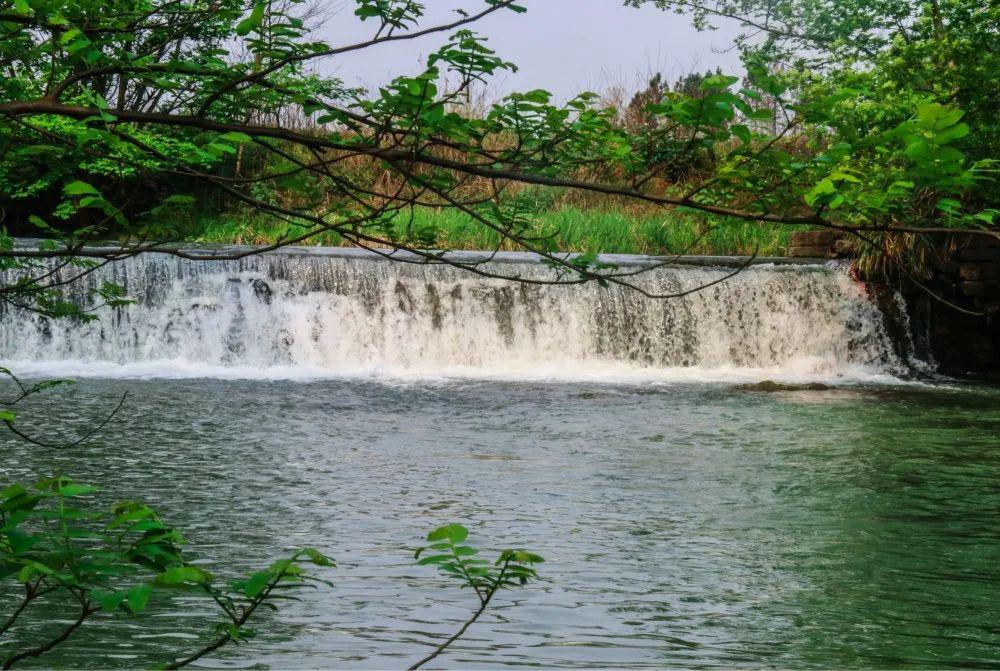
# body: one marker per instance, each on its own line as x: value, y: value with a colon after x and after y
x: 771, y: 385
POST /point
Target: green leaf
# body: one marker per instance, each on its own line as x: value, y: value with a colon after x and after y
x: 13, y: 490
x: 138, y: 597
x: 761, y: 115
x: 107, y: 600
x: 821, y: 193
x: 936, y: 116
x: 742, y: 132
x: 76, y: 490
x: 253, y: 21
x: 455, y: 533
x: 146, y: 525
x: 21, y: 502
x: 69, y: 35
x: 38, y: 222
x: 132, y: 516
x: 31, y: 569
x: 441, y: 533
x: 175, y: 201
x: 540, y: 96
x: 236, y: 136
x: 183, y: 575
x: 952, y: 133
x: 316, y: 557
x: 256, y: 583
x: 716, y: 82
x: 78, y: 188
x: 434, y: 559
x: 20, y: 542
x: 949, y: 205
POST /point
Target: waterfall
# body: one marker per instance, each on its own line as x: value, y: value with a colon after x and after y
x: 347, y: 313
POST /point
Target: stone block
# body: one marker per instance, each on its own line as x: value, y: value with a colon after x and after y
x: 981, y: 289
x: 844, y: 247
x: 946, y: 289
x: 812, y: 251
x: 978, y: 241
x: 976, y: 253
x: 978, y: 271
x: 813, y: 238
x: 984, y: 352
x: 948, y: 269
x: 986, y: 306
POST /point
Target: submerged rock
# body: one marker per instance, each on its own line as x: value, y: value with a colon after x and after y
x: 771, y: 385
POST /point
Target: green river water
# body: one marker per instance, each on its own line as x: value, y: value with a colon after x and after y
x: 684, y: 525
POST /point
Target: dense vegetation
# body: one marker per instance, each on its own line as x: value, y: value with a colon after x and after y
x: 121, y: 119
x: 146, y: 122
x: 606, y: 229
x: 923, y: 74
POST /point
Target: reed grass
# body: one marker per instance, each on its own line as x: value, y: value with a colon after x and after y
x: 567, y: 229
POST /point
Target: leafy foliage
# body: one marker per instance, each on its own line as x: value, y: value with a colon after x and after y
x: 150, y: 108
x: 893, y: 56
x: 449, y: 553
x: 452, y: 556
x: 110, y: 562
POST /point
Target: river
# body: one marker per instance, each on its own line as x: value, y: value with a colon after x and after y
x: 686, y: 522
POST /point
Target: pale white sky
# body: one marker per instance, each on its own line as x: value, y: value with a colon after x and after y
x: 564, y: 46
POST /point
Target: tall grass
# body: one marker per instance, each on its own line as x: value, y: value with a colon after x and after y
x: 568, y: 229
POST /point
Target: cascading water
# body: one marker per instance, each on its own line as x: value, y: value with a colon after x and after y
x: 288, y: 314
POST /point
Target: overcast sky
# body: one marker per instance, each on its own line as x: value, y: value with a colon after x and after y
x: 564, y: 46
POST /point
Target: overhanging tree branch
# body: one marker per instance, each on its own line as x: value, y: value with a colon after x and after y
x: 47, y: 107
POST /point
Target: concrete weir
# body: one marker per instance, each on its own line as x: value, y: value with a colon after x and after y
x: 209, y: 252
x: 349, y: 311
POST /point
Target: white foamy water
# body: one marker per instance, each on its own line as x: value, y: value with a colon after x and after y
x: 284, y: 316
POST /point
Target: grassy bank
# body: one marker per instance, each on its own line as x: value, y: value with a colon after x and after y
x: 570, y: 229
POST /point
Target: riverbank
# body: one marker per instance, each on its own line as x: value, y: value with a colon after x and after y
x: 610, y: 231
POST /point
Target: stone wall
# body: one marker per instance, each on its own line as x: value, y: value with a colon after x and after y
x: 819, y: 245
x: 964, y: 336
x: 959, y: 325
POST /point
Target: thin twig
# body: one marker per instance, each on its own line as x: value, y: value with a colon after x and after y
x: 484, y: 602
x: 85, y: 612
x: 89, y: 434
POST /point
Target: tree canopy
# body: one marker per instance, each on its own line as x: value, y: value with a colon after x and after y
x: 897, y: 54
x: 118, y: 116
